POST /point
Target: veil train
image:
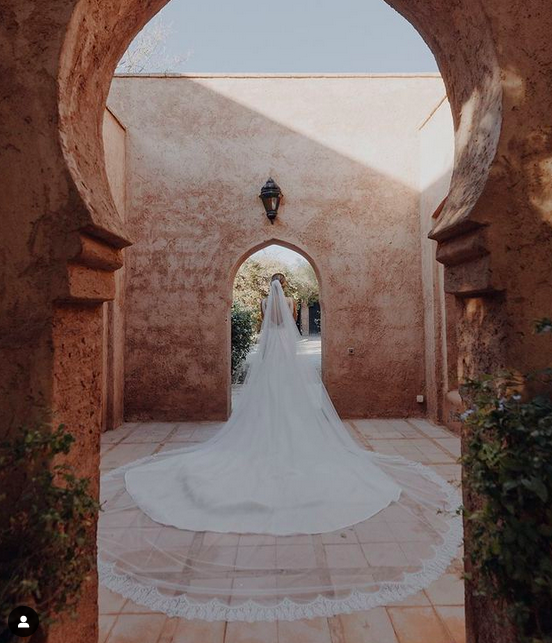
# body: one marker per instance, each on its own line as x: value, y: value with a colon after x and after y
x: 281, y: 514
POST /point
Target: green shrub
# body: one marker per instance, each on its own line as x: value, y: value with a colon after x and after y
x: 244, y: 322
x: 47, y: 530
x: 508, y: 464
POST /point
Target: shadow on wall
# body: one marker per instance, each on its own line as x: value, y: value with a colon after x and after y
x: 196, y: 162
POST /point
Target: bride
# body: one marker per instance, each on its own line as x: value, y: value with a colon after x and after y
x: 251, y: 524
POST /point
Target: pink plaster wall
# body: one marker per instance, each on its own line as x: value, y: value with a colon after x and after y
x: 346, y: 152
x: 436, y: 161
x: 114, y: 141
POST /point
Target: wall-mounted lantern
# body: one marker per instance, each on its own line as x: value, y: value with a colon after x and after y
x: 271, y: 196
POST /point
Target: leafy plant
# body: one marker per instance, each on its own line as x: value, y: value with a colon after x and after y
x: 243, y: 335
x: 303, y: 284
x: 47, y: 532
x: 508, y: 464
x: 543, y: 325
x: 252, y: 283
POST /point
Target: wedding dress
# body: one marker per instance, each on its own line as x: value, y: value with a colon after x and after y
x: 281, y: 514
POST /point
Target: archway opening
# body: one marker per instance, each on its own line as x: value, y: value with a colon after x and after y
x: 250, y: 287
x: 356, y: 209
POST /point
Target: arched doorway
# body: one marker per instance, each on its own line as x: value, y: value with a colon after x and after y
x: 83, y: 201
x: 251, y: 285
x: 352, y: 355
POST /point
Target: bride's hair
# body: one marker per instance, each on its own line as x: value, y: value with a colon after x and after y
x: 279, y: 276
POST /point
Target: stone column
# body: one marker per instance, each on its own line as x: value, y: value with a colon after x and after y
x: 498, y: 297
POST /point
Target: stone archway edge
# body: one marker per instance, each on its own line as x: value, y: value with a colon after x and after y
x: 496, y: 61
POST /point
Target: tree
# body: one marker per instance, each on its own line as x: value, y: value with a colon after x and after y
x: 305, y: 283
x: 252, y: 282
x: 147, y: 53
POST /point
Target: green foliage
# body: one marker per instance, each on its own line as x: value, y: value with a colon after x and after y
x: 543, y: 325
x: 47, y: 543
x: 252, y: 283
x: 508, y: 464
x: 303, y: 283
x: 243, y: 335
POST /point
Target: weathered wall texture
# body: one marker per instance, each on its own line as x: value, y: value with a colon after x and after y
x: 345, y: 152
x: 114, y: 140
x: 436, y: 161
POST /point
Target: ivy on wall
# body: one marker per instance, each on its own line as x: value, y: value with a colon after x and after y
x: 508, y: 464
x: 244, y: 323
x: 47, y: 533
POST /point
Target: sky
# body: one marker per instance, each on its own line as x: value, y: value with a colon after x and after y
x: 279, y: 253
x: 299, y: 36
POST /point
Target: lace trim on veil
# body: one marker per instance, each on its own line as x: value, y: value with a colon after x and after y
x: 287, y: 609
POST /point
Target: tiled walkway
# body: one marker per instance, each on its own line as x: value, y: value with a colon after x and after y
x: 435, y: 615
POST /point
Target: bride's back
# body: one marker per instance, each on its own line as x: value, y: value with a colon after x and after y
x: 276, y: 315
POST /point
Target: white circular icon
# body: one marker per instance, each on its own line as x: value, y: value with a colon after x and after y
x: 23, y: 622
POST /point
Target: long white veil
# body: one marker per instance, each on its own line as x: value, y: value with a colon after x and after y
x: 281, y: 514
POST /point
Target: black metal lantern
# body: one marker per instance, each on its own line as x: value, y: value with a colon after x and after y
x: 271, y: 195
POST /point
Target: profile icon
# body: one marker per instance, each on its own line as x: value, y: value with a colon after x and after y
x: 23, y: 621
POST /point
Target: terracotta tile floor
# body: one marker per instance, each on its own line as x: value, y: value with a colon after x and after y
x: 435, y: 615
